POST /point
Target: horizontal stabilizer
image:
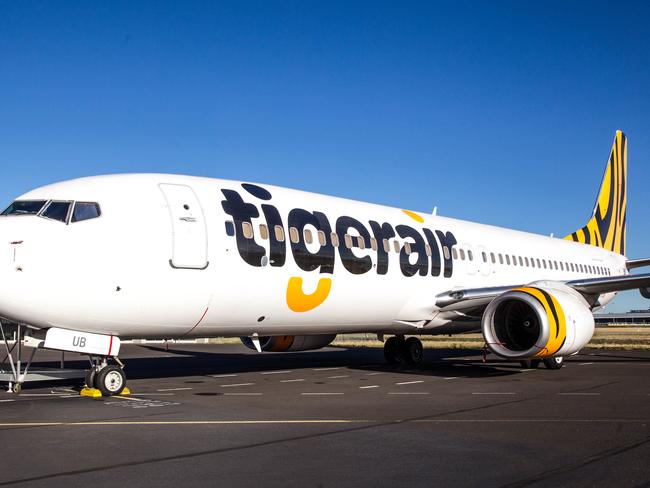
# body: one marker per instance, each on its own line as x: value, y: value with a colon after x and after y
x: 637, y: 263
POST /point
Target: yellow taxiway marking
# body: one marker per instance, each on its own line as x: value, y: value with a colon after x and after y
x: 179, y: 422
x: 114, y: 423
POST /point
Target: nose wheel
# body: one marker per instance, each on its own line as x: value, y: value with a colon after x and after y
x: 109, y: 379
x: 398, y: 350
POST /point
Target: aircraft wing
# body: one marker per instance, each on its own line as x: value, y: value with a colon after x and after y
x: 477, y: 298
x: 637, y: 263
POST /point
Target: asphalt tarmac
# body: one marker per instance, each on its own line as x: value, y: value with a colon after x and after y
x: 220, y: 415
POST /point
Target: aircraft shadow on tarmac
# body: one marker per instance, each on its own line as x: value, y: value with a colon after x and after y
x: 181, y: 360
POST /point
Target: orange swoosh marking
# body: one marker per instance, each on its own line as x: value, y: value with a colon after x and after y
x: 298, y: 301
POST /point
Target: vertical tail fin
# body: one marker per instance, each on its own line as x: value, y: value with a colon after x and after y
x: 606, y: 227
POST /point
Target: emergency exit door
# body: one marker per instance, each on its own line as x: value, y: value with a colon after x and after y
x: 189, y: 233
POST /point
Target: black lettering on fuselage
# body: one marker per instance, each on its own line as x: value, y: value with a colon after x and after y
x: 277, y: 249
x: 306, y: 260
x: 242, y: 212
x: 448, y: 240
x: 417, y: 247
x: 381, y: 232
x: 324, y: 258
x: 354, y: 264
x: 435, y: 252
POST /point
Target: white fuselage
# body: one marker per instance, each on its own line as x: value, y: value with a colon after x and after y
x: 149, y: 267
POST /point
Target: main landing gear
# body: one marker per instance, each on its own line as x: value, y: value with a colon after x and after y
x: 555, y: 362
x: 398, y: 350
x: 109, y: 379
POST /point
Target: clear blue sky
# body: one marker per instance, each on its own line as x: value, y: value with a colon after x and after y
x: 499, y: 112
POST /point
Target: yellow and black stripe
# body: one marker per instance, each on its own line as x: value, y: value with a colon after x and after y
x: 556, y: 320
x: 606, y: 228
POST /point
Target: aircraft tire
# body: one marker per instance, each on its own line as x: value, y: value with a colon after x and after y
x: 111, y: 380
x: 412, y: 351
x: 91, y: 377
x: 555, y: 362
x: 392, y: 350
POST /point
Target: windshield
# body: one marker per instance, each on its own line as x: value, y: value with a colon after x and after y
x: 25, y: 207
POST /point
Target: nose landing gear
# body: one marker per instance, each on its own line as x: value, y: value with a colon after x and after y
x: 109, y: 379
x: 398, y: 350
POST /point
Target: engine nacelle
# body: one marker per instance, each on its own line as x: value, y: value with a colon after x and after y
x: 291, y: 343
x: 645, y: 292
x: 538, y: 321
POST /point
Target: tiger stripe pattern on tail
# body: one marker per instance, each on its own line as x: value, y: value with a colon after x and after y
x: 607, y: 226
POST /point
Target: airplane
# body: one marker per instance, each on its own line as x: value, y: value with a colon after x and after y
x: 90, y: 262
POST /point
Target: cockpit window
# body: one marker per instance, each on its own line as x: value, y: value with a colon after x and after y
x: 25, y: 207
x: 85, y: 211
x: 57, y: 211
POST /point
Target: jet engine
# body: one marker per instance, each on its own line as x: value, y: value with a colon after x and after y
x: 538, y: 321
x: 645, y: 292
x: 290, y: 343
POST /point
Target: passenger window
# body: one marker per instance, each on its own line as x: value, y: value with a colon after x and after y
x: 462, y: 254
x: 539, y: 265
x: 373, y: 243
x: 321, y: 238
x: 521, y: 261
x: 527, y: 262
x: 279, y: 233
x: 544, y: 263
x: 445, y: 252
x: 561, y: 266
x: 264, y: 231
x: 57, y: 211
x: 454, y: 253
x: 308, y: 237
x: 427, y: 249
x: 335, y: 239
x: 396, y: 246
x: 532, y: 262
x: 85, y: 211
x: 386, y: 245
x: 470, y: 255
x: 348, y: 241
x: 407, y: 248
x: 294, y: 237
x: 248, y: 230
x: 361, y: 242
x: 230, y: 228
x: 484, y: 257
x: 507, y: 259
x: 500, y: 258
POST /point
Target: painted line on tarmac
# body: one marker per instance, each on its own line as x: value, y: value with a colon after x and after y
x: 242, y: 394
x: 584, y: 364
x: 408, y: 393
x: 326, y: 369
x: 181, y: 422
x: 582, y: 393
x: 222, y: 375
x: 321, y: 394
x: 339, y: 376
x: 451, y: 378
x: 493, y: 393
x: 297, y: 380
x: 236, y: 384
x: 375, y: 373
x: 369, y: 386
x: 114, y: 423
x: 9, y: 400
x: 410, y: 382
x: 276, y: 372
x: 174, y: 389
